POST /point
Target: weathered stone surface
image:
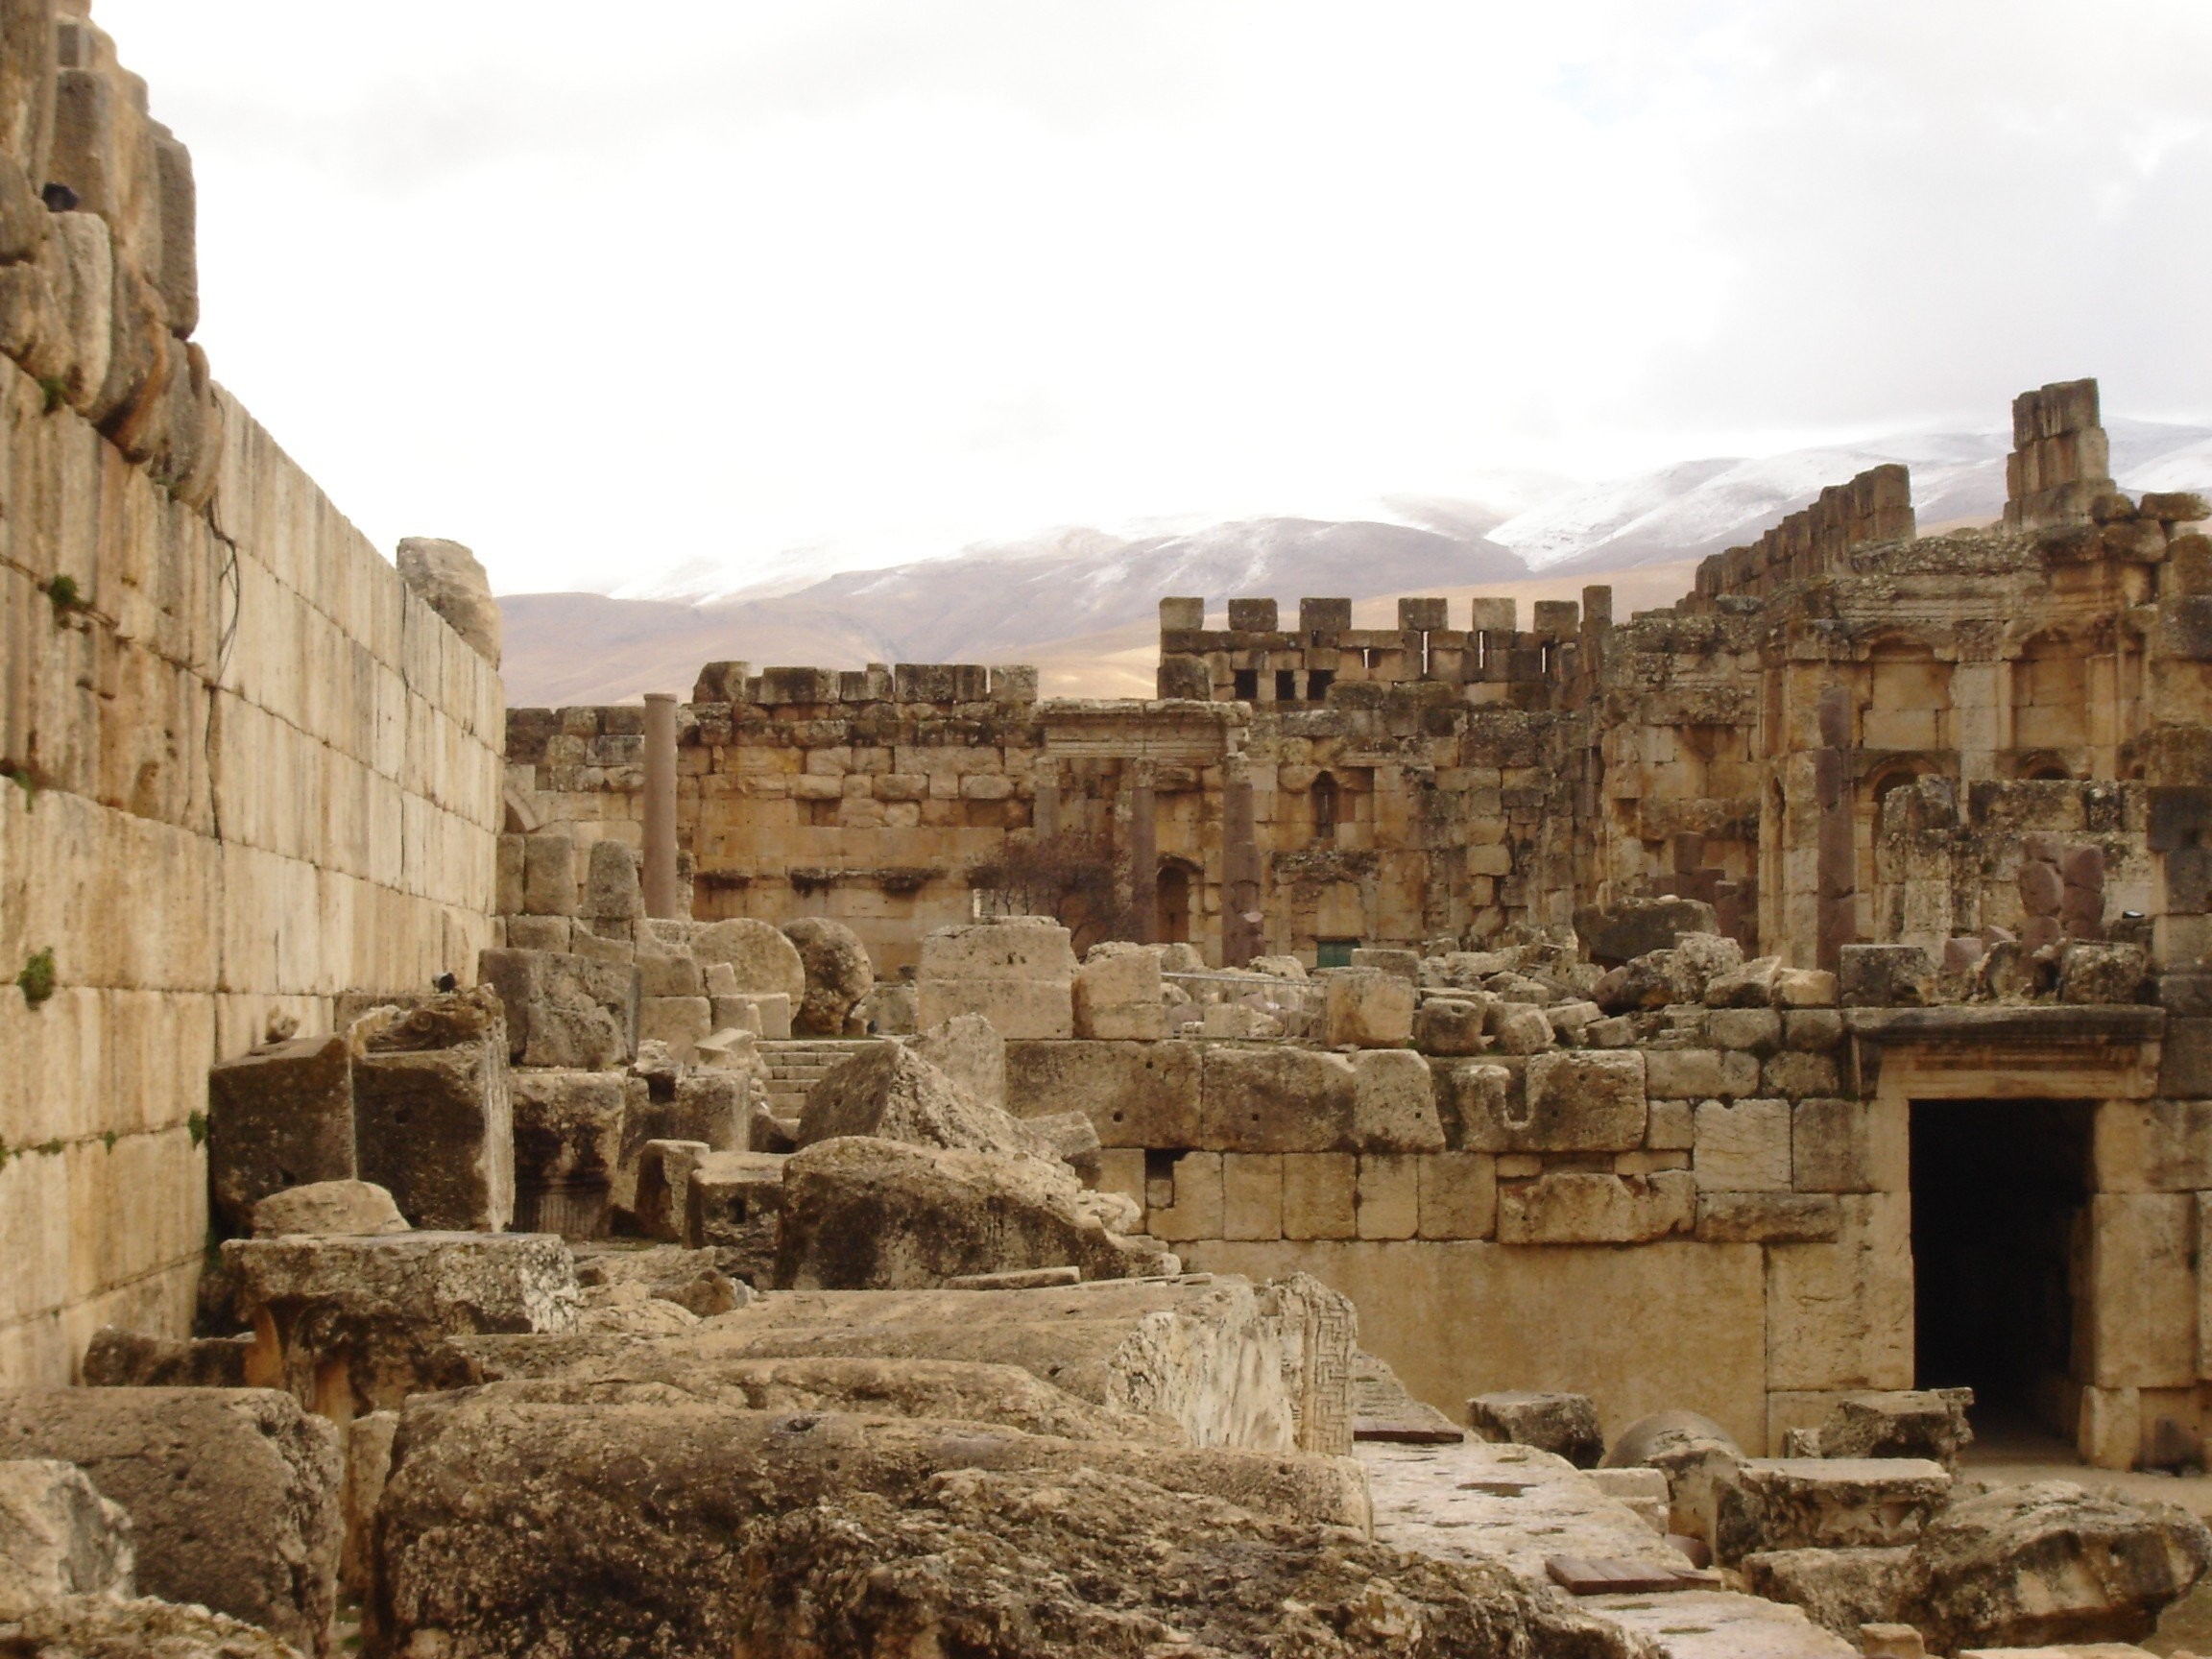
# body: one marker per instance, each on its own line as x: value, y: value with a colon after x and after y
x: 569, y: 1131
x: 565, y: 1010
x: 1742, y: 1147
x: 761, y: 960
x: 352, y: 1325
x: 1691, y: 1450
x: 733, y: 1203
x: 447, y: 577
x: 850, y: 1537
x: 1118, y: 994
x: 969, y: 1051
x: 1564, y: 1425
x: 2105, y: 975
x: 233, y: 1493
x: 2028, y: 1566
x: 1839, y: 1590
x: 1823, y: 1502
x: 1767, y: 1217
x: 119, y: 1359
x: 1578, y: 1101
x: 1272, y: 1099
x: 889, y: 1092
x: 58, y: 1536
x: 1394, y: 1103
x: 1926, y: 1423
x: 1451, y: 1027
x: 1367, y: 1008
x: 1017, y: 972
x: 100, y: 1627
x: 353, y: 1207
x: 1587, y: 1207
x: 1631, y: 928
x: 838, y: 974
x: 1886, y: 976
x: 279, y: 1116
x: 614, y: 891
x: 864, y: 1213
x: 433, y: 1123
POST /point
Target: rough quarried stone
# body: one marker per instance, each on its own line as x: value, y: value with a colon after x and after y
x: 838, y: 974
x: 233, y: 1493
x: 565, y: 1010
x: 1927, y: 1422
x: 890, y: 1092
x: 1633, y: 928
x: 119, y: 1359
x: 355, y: 1324
x: 1823, y: 1502
x: 100, y: 1627
x: 1444, y: 1026
x: 1367, y: 1008
x: 2103, y: 975
x: 1841, y: 1590
x: 1564, y: 1425
x: 447, y: 577
x: 1584, y: 1100
x: 433, y: 1123
x: 732, y: 1204
x: 279, y: 1116
x: 1394, y: 1103
x: 2027, y: 1566
x: 1886, y: 976
x: 1118, y: 994
x: 58, y: 1536
x: 1017, y: 972
x: 1587, y: 1207
x: 969, y: 1051
x: 349, y: 1207
x: 863, y: 1214
x: 774, y: 1522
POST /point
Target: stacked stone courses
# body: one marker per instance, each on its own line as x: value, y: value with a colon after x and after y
x: 255, y: 770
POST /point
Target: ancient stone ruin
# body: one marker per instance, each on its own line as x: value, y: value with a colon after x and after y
x: 1444, y: 1139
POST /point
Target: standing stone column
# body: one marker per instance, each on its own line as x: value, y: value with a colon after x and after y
x: 663, y: 892
x: 1839, y: 846
x: 1045, y: 804
x: 1240, y: 938
x: 1143, y: 854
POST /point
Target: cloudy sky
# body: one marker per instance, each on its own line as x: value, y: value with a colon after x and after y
x: 747, y: 282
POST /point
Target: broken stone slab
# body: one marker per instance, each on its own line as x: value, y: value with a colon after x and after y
x: 1928, y: 1423
x: 967, y: 1050
x: 279, y: 1116
x: 2033, y: 1565
x: 449, y: 578
x: 1021, y: 1278
x: 1774, y: 1503
x: 1720, y: 1624
x: 1382, y: 1409
x: 353, y: 1325
x: 889, y: 1092
x: 861, y: 1213
x: 233, y: 1493
x: 664, y: 1170
x: 336, y: 1207
x: 1074, y: 1138
x: 433, y: 1122
x: 119, y: 1359
x: 838, y: 974
x: 564, y: 1010
x: 712, y: 1108
x: 1750, y: 986
x: 1643, y: 1490
x: 1564, y: 1425
x: 58, y: 1536
x: 1017, y: 972
x: 777, y: 1516
x: 1841, y: 1590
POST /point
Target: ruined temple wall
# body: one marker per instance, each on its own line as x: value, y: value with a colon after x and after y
x: 220, y: 830
x: 255, y: 770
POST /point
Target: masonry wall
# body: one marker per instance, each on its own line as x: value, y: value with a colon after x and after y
x: 250, y: 769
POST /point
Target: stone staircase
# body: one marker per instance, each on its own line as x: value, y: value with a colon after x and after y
x: 797, y: 1064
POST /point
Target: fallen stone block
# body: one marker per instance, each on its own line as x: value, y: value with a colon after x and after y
x: 1451, y: 1027
x: 1841, y: 1590
x: 733, y: 1204
x: 233, y: 1493
x: 1693, y: 1451
x: 279, y: 1116
x: 2029, y: 1566
x: 1118, y: 995
x: 838, y: 974
x: 1564, y: 1425
x: 1886, y: 976
x: 1633, y: 928
x: 1645, y: 1491
x: 1074, y: 1138
x: 565, y: 1011
x: 568, y: 1141
x: 1367, y: 1008
x: 58, y: 1536
x: 1928, y: 1423
x: 1774, y: 1503
x: 433, y: 1122
x: 1017, y: 972
x: 778, y: 1517
x: 1316, y: 1331
x: 337, y: 1207
x: 1383, y: 1408
x: 967, y: 1050
x: 119, y: 1359
x: 353, y: 1325
x: 715, y: 1108
x: 891, y: 1093
x: 867, y: 1214
x: 761, y: 961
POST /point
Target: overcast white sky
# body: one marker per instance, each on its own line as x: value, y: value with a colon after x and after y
x: 601, y: 290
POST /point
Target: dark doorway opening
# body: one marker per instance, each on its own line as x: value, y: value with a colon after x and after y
x: 1174, y: 926
x: 1998, y: 1190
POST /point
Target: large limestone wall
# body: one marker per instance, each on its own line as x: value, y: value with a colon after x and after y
x: 254, y: 769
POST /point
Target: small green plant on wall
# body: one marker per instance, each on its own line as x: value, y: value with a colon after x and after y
x: 37, y: 980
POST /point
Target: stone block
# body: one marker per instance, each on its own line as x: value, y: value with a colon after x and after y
x: 1390, y: 1195
x: 355, y: 1208
x: 761, y: 961
x: 539, y: 933
x: 1195, y: 1210
x: 2153, y: 1145
x: 732, y: 1203
x: 1252, y: 1196
x: 1839, y: 1145
x: 118, y: 1359
x: 1405, y: 963
x: 549, y: 874
x: 1278, y: 1099
x: 1137, y: 1094
x: 58, y: 1536
x: 279, y: 1116
x: 664, y: 1171
x: 838, y: 974
x: 661, y: 974
x: 1394, y: 1103
x: 1520, y: 1028
x: 1458, y: 1195
x: 368, y: 1463
x: 682, y: 1022
x: 353, y: 1325
x: 1453, y: 1029
x: 1806, y: 988
x: 611, y: 890
x: 506, y: 877
x: 1769, y: 1504
x: 568, y: 1141
x: 1368, y: 1008
x: 1582, y: 1101
x: 2185, y: 1059
x: 1564, y: 1425
x: 1016, y: 972
x: 1700, y: 1073
x: 1737, y: 1218
x: 1928, y: 1423
x: 1320, y: 1195
x: 887, y: 1091
x: 1584, y: 1207
x: 1840, y: 1315
x: 567, y: 1012
x: 233, y: 1493
x: 1742, y: 1147
x: 969, y: 1051
x: 764, y: 1015
x: 1755, y: 1030
x: 433, y: 1120
x: 1850, y: 1592
x: 1251, y: 616
x: 1886, y: 976
x: 1118, y: 995
x: 2138, y: 1327
x: 1671, y: 1125
x: 1814, y: 1030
